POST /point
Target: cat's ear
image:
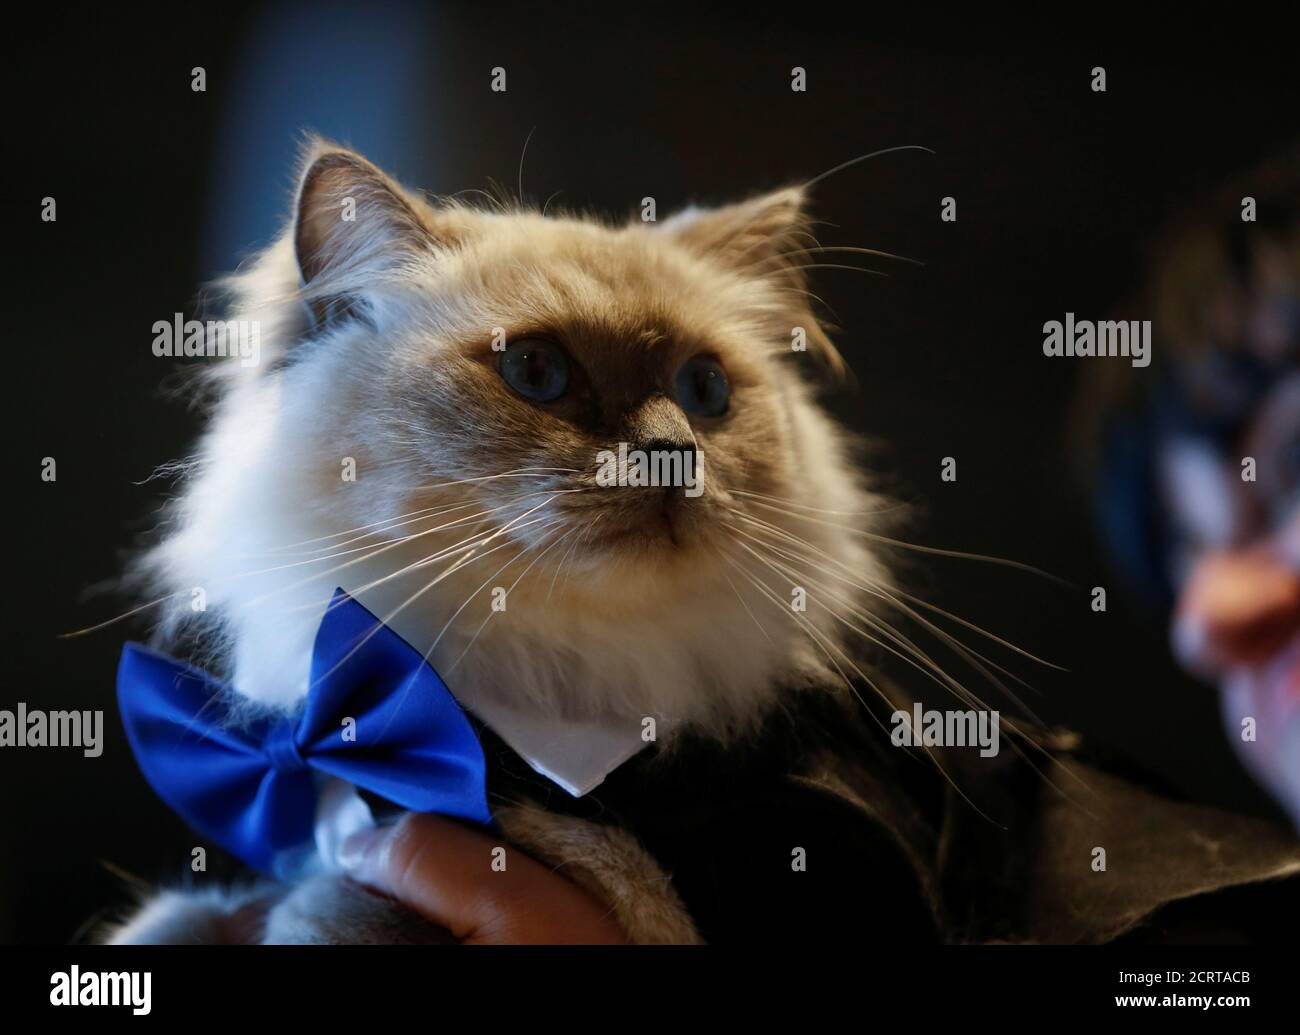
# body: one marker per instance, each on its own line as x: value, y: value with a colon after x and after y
x: 766, y: 236
x: 351, y: 224
x: 768, y: 226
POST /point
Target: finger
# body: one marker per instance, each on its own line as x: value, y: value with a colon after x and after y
x: 444, y: 871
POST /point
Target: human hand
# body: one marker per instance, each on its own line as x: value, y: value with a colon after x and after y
x: 442, y: 870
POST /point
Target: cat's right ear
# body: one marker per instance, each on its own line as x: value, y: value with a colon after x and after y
x: 352, y: 224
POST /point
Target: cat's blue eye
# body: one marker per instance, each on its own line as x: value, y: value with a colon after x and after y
x: 535, y: 368
x: 702, y: 387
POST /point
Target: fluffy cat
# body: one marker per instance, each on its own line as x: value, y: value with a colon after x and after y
x: 378, y: 446
x: 438, y: 384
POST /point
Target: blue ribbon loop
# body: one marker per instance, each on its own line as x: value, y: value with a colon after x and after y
x: 377, y: 715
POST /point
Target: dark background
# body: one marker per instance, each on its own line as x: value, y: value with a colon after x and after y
x: 1059, y: 190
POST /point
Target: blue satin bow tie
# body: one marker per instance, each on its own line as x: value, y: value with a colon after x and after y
x: 377, y: 715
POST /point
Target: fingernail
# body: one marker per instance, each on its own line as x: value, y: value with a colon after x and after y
x: 354, y: 851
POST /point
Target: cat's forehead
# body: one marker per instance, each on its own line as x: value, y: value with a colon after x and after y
x: 635, y: 284
x: 575, y: 246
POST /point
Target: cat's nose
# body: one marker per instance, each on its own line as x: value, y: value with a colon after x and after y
x: 659, y: 424
x: 665, y: 445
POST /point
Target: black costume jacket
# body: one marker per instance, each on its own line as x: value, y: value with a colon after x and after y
x: 1000, y: 849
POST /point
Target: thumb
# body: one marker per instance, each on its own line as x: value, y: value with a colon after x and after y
x: 468, y: 882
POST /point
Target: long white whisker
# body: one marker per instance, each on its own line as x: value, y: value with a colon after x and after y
x: 901, y: 544
x: 454, y: 567
x: 961, y: 691
x: 974, y: 658
x: 880, y: 589
x: 531, y: 564
x: 552, y: 494
x: 817, y: 638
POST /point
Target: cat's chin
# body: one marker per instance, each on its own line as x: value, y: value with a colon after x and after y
x: 656, y: 535
x: 655, y: 532
x: 661, y: 544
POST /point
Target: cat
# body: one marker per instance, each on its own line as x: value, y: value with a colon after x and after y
x: 428, y: 425
x: 435, y: 385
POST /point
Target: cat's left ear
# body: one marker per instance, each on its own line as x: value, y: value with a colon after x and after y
x: 352, y: 224
x: 768, y: 226
x: 766, y: 236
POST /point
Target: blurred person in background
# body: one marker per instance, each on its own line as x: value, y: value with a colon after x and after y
x: 1198, y: 476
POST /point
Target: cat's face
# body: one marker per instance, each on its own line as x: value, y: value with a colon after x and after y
x: 605, y: 340
x: 440, y: 440
x: 521, y: 356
